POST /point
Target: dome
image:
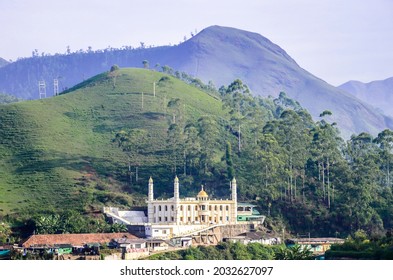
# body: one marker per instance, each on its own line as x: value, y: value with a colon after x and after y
x: 202, y: 193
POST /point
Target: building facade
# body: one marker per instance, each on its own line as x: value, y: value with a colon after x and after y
x: 175, y: 215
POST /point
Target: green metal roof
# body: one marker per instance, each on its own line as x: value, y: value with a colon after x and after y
x: 244, y: 204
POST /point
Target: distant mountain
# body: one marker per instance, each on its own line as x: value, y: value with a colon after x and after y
x: 219, y: 54
x: 3, y: 62
x: 377, y: 93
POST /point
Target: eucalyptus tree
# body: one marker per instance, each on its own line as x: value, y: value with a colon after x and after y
x: 132, y: 143
x: 208, y: 134
x: 237, y: 98
x: 385, y: 142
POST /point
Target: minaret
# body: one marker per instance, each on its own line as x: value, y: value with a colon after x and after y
x: 234, y: 199
x: 234, y: 190
x: 151, y: 194
x: 177, y: 201
x: 176, y: 189
x: 150, y: 210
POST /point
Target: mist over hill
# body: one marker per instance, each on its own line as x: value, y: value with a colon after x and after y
x: 377, y: 93
x: 217, y: 54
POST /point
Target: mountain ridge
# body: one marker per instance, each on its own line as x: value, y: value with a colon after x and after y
x: 377, y: 93
x: 218, y: 54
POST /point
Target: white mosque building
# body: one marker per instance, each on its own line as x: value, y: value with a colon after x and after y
x: 175, y: 216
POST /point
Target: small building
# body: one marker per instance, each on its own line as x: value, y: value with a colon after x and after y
x: 130, y: 245
x: 83, y: 243
x: 255, y: 237
x: 154, y: 244
x: 60, y: 249
x: 248, y: 212
x: 318, y: 246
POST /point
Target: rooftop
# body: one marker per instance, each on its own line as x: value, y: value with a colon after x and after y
x: 77, y: 239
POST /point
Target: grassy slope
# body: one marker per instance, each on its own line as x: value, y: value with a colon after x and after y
x: 57, y: 152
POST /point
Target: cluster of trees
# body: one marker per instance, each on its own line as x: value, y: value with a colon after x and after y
x: 236, y: 251
x: 359, y: 246
x: 5, y: 98
x: 300, y: 172
x: 72, y: 222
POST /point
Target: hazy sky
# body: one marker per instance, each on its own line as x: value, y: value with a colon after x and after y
x: 336, y: 40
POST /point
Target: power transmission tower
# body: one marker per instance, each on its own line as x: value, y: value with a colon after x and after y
x: 42, y: 89
x: 55, y: 87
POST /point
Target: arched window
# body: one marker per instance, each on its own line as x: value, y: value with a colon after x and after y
x: 159, y: 207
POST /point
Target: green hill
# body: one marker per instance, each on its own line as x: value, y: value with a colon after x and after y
x: 98, y: 143
x: 58, y: 152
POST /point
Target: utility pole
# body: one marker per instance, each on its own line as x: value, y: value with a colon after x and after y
x: 55, y: 87
x: 42, y: 89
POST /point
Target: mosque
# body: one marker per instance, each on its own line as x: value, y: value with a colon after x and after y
x: 177, y: 217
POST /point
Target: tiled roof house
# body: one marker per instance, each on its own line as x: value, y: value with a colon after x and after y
x: 77, y: 239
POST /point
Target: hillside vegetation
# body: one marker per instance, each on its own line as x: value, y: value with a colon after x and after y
x: 98, y: 143
x: 58, y: 152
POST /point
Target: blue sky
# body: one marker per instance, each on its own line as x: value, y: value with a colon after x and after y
x: 335, y: 40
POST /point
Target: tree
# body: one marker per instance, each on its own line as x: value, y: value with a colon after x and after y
x: 293, y: 253
x: 228, y: 160
x: 145, y: 64
x: 237, y: 98
x: 132, y: 143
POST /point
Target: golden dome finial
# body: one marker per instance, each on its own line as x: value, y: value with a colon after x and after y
x: 202, y: 193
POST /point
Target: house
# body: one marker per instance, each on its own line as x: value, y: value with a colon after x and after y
x: 256, y: 237
x: 79, y: 243
x: 317, y: 246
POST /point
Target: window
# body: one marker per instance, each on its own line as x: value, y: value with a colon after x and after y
x: 189, y: 219
x: 181, y: 207
x: 166, y: 219
x: 181, y: 219
x: 154, y: 209
x: 196, y: 207
x: 215, y: 207
x: 227, y: 218
x: 173, y: 219
x: 172, y: 208
x: 220, y: 218
x: 159, y: 208
x: 227, y: 207
x: 164, y: 231
x: 189, y: 208
x: 159, y: 219
x: 220, y: 207
x: 210, y: 208
x: 166, y: 207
